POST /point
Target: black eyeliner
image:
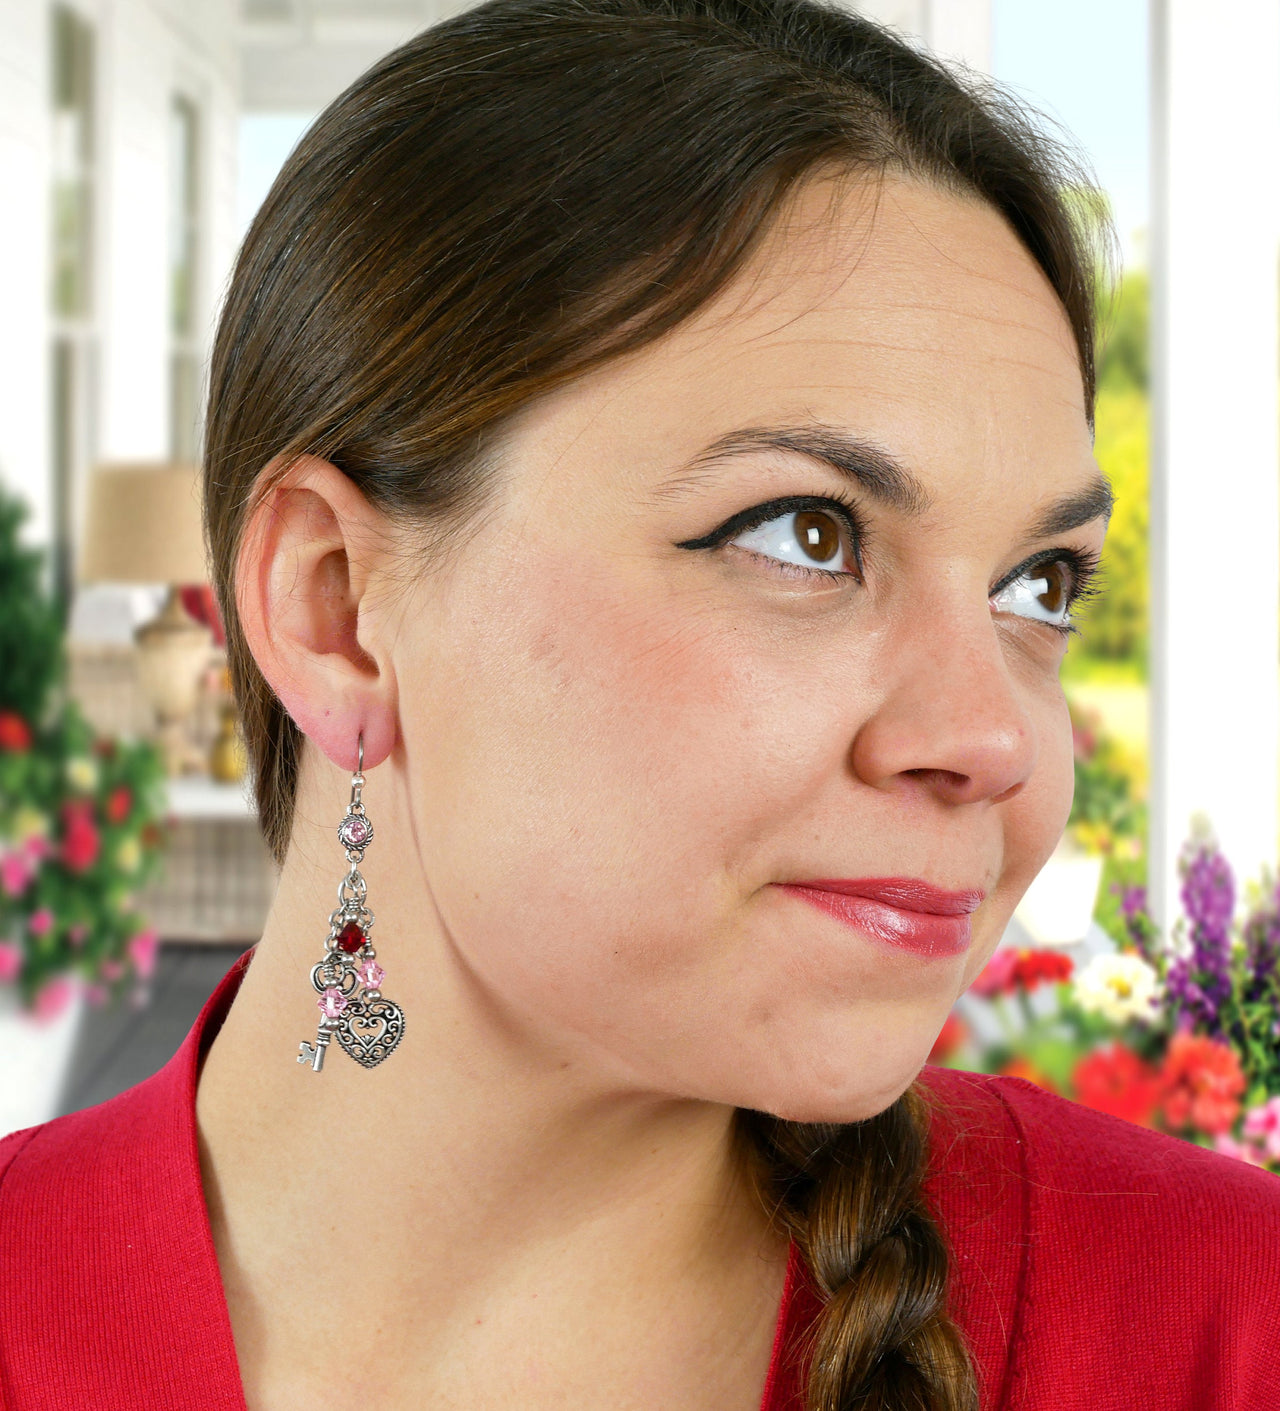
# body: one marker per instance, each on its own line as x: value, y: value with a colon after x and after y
x: 1083, y: 564
x: 755, y: 515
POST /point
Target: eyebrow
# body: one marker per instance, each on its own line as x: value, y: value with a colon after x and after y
x: 1095, y: 501
x: 868, y: 466
x: 881, y: 476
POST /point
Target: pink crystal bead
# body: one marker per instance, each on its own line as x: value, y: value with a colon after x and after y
x: 355, y: 831
x: 372, y: 974
x: 332, y: 1003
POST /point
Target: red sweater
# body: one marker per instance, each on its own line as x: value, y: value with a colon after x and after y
x: 1097, y: 1266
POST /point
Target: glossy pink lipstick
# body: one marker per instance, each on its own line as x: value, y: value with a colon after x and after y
x: 897, y: 911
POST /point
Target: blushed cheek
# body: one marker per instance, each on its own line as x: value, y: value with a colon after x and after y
x: 582, y: 766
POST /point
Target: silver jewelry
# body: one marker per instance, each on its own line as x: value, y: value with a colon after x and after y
x: 348, y: 978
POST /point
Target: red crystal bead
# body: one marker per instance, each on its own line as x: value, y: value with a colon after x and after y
x: 350, y: 938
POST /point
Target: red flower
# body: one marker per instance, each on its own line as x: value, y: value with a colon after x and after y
x: 1036, y: 965
x: 1009, y: 970
x: 119, y: 802
x: 951, y: 1036
x: 1202, y: 1084
x: 15, y: 733
x: 1114, y: 1079
x: 81, y: 841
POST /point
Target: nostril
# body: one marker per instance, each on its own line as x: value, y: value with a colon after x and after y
x: 946, y: 778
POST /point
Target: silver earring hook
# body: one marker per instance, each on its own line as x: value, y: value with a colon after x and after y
x: 357, y: 779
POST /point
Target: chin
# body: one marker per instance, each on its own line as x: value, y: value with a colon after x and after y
x: 859, y: 1097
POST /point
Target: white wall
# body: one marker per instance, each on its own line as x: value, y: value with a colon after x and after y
x: 24, y: 269
x: 1215, y: 502
x: 953, y: 29
x: 146, y: 50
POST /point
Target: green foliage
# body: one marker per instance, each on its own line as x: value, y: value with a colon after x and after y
x: 1114, y: 624
x: 1124, y: 321
x: 30, y: 633
x: 1106, y: 814
x: 81, y: 832
x: 81, y: 818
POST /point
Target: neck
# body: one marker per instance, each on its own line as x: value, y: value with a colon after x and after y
x: 480, y: 1160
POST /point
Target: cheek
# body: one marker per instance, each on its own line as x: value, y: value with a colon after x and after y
x: 594, y: 766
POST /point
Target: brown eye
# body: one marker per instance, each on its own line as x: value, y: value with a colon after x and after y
x: 1043, y: 593
x: 818, y: 534
x: 1057, y: 587
x: 804, y: 538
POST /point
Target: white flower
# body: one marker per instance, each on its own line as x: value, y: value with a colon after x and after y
x: 82, y: 773
x: 1118, y: 987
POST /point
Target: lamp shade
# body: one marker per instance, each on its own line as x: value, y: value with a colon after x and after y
x: 144, y: 525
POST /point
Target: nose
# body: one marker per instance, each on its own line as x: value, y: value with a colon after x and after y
x: 952, y: 720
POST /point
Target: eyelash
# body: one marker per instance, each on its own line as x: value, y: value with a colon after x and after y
x: 1085, y: 581
x: 844, y: 510
x: 1082, y: 563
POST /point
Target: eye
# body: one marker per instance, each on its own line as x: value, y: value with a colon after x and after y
x: 810, y: 538
x: 1043, y: 592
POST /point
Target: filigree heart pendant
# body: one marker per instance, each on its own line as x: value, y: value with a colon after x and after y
x: 370, y: 1029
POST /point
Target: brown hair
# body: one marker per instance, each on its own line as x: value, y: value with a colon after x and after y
x: 506, y: 201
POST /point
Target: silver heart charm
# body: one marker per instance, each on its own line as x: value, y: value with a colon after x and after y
x: 369, y: 1030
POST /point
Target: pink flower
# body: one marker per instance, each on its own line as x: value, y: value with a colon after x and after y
x: 15, y: 872
x: 77, y: 933
x: 40, y: 923
x: 96, y: 995
x: 1000, y: 976
x: 142, y: 951
x: 52, y: 998
x: 1263, y: 1124
x: 111, y: 971
x: 10, y: 961
x: 1238, y: 1151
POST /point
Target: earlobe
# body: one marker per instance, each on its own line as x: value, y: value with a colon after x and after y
x: 304, y: 593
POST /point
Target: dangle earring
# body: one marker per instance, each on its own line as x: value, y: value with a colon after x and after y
x: 348, y: 978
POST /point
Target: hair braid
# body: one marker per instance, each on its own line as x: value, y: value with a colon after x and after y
x: 851, y: 1198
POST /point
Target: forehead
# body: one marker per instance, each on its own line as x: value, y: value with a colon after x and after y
x: 910, y: 315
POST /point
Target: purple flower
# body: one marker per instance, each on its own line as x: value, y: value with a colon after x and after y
x: 1262, y: 949
x: 1135, y: 915
x: 1199, y: 984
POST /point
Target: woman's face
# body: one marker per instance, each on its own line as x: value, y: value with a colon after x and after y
x: 779, y: 599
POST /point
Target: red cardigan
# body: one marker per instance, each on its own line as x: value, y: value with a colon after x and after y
x: 1097, y: 1266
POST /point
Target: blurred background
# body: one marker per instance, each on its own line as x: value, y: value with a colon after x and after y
x: 137, y: 139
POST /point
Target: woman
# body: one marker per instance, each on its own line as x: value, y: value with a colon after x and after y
x: 649, y: 484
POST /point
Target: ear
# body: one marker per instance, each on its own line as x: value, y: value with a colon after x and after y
x: 306, y: 579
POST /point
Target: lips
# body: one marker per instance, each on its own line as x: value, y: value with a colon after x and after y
x: 902, y: 912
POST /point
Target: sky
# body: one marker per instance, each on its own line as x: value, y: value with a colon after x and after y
x: 1082, y: 63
